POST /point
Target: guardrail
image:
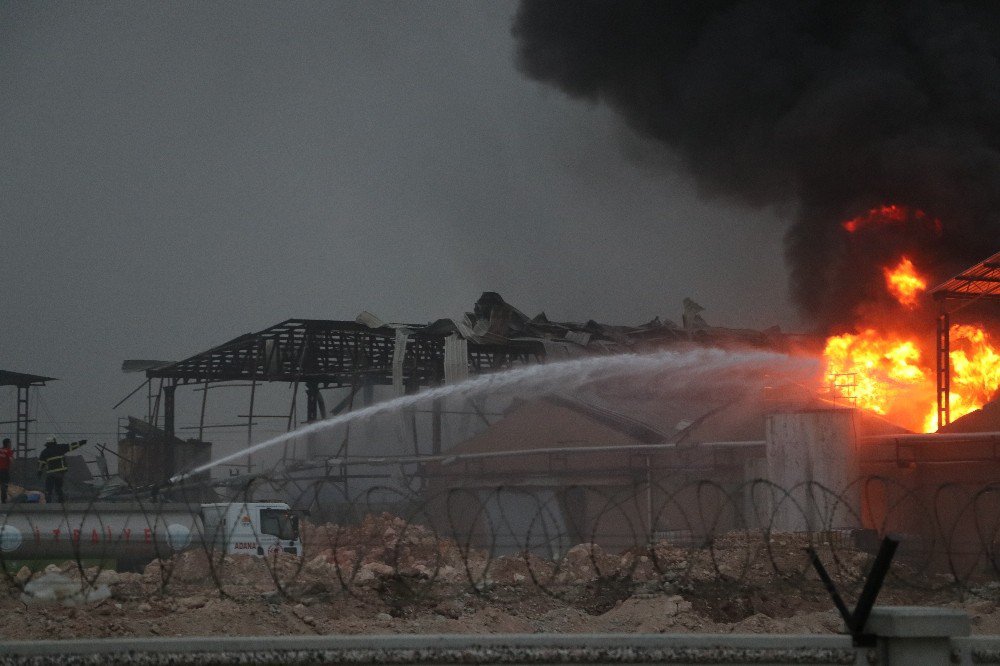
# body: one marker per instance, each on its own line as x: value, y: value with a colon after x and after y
x: 910, y: 637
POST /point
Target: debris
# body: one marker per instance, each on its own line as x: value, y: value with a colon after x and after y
x: 53, y: 586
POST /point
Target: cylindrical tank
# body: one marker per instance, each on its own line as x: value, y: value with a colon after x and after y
x: 812, y: 462
x: 99, y: 531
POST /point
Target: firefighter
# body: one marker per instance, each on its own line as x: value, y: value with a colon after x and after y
x: 52, y: 463
x: 6, y: 455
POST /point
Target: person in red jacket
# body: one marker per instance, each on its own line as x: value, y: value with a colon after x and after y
x: 6, y: 455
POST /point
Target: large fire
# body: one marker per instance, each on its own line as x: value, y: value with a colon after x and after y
x: 904, y: 283
x: 891, y: 372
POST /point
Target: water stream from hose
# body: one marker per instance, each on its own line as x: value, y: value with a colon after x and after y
x: 704, y: 368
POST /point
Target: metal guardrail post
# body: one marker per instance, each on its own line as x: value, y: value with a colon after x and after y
x: 916, y: 635
x: 902, y: 635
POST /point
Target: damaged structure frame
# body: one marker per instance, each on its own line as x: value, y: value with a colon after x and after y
x: 322, y: 354
x: 361, y: 354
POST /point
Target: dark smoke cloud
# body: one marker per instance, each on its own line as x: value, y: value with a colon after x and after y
x: 835, y: 107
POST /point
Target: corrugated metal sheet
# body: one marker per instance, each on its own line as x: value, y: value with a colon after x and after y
x: 456, y: 359
x: 979, y: 281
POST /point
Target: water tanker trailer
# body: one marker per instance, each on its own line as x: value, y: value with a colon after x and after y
x: 130, y: 534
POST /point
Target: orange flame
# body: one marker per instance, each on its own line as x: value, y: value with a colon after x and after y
x: 888, y: 374
x: 890, y: 214
x: 904, y: 283
x: 975, y: 371
x: 891, y: 373
x: 872, y: 369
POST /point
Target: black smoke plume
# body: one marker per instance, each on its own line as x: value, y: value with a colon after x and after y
x: 836, y: 107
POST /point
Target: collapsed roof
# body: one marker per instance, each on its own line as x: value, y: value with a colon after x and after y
x: 494, y: 335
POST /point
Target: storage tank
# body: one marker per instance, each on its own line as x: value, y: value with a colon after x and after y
x: 812, y: 462
x: 121, y: 533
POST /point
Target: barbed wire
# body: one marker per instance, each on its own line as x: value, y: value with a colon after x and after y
x: 590, y: 545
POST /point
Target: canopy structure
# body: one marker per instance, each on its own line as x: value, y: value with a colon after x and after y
x: 23, y: 382
x: 976, y: 283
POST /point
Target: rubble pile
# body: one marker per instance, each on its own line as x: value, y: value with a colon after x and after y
x: 388, y: 576
x: 381, y: 545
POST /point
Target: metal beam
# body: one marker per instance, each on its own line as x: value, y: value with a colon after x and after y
x: 943, y: 355
x: 21, y: 449
x: 168, y: 409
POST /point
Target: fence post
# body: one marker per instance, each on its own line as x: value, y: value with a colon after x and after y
x: 915, y: 635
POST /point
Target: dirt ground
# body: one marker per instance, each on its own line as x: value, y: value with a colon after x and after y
x: 386, y: 577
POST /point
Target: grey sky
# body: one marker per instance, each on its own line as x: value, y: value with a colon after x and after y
x: 175, y: 174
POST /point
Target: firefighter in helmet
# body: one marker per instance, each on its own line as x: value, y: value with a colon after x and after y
x: 52, y: 464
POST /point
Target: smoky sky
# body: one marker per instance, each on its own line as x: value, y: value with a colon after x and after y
x: 173, y: 175
x: 828, y: 107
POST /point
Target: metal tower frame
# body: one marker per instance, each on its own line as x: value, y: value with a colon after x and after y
x: 24, y: 383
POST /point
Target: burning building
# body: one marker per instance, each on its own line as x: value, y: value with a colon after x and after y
x: 887, y: 362
x: 613, y: 461
x: 877, y: 124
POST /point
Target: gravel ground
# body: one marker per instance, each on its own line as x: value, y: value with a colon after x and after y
x: 384, y: 577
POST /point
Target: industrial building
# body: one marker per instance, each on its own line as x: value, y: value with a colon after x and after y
x: 611, y: 464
